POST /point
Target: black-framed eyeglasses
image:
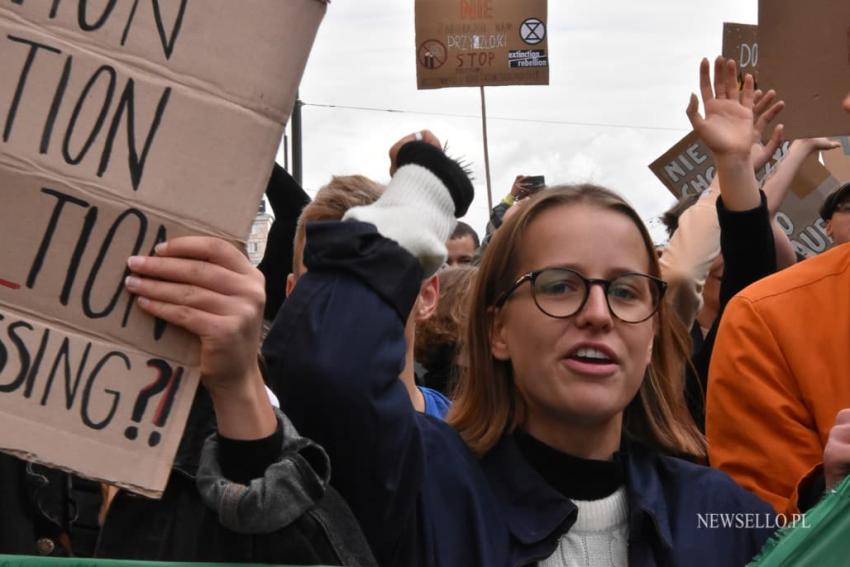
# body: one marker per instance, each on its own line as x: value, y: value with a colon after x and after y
x: 562, y: 292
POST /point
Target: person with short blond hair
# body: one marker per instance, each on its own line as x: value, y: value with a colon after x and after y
x: 331, y: 203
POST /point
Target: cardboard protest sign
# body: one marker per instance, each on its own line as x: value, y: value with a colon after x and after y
x: 799, y: 216
x: 740, y: 42
x: 688, y: 169
x: 837, y: 161
x: 804, y: 53
x: 462, y: 43
x: 124, y: 124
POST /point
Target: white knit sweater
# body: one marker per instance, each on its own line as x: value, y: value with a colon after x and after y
x: 600, y: 536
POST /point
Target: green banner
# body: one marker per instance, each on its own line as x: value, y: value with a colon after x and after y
x: 822, y: 540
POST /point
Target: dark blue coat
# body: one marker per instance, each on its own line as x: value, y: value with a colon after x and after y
x: 334, y: 356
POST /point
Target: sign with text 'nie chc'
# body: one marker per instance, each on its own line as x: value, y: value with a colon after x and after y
x: 688, y: 169
x: 464, y: 43
x: 123, y: 124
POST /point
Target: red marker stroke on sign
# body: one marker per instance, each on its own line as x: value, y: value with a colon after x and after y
x: 9, y: 284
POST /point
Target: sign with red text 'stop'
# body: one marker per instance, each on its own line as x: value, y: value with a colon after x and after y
x: 123, y: 124
x: 464, y: 43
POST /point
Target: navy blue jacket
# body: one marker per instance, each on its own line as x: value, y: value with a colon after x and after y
x: 334, y: 355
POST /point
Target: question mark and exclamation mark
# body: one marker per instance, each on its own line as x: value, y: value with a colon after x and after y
x: 167, y: 380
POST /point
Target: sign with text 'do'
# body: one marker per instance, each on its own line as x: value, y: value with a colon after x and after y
x: 740, y: 42
x: 124, y: 124
x: 464, y: 43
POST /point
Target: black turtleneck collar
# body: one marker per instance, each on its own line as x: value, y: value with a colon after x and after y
x: 575, y: 478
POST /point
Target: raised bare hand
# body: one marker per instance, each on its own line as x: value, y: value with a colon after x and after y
x: 764, y: 112
x: 728, y: 128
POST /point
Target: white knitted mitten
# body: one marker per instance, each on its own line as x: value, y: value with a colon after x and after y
x: 419, y: 206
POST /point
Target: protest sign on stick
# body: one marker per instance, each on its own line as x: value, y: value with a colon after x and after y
x: 463, y: 43
x: 124, y: 124
x: 804, y: 53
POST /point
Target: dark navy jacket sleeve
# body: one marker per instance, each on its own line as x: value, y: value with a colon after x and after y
x: 334, y: 357
x: 287, y: 199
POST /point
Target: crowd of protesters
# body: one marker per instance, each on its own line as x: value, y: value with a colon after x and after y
x: 386, y: 390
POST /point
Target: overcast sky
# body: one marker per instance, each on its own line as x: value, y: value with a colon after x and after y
x: 622, y: 69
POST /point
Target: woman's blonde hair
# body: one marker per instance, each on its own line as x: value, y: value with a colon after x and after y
x: 488, y: 405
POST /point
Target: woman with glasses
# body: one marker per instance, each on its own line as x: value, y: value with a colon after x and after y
x: 561, y: 447
x: 558, y: 448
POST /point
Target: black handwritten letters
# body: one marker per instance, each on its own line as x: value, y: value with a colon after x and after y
x: 93, y: 16
x: 100, y: 89
x: 72, y: 210
x: 115, y: 94
x: 71, y: 374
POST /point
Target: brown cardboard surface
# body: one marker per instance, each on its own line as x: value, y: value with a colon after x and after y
x: 740, y: 42
x: 799, y: 217
x: 837, y: 161
x: 123, y: 124
x: 688, y: 168
x: 804, y: 53
x: 462, y: 43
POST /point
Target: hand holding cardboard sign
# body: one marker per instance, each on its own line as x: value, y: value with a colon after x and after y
x: 836, y: 454
x: 209, y: 288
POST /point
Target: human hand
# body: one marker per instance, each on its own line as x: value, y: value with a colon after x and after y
x: 520, y: 189
x: 764, y: 112
x: 423, y: 136
x: 728, y: 128
x: 836, y: 454
x: 812, y: 145
x: 206, y: 286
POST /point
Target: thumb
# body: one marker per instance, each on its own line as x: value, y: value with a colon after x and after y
x: 693, y: 111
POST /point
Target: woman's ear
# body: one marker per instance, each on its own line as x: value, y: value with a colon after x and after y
x: 429, y: 298
x: 291, y: 280
x: 498, y: 343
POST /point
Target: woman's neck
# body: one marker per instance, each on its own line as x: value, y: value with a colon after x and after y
x: 574, y: 477
x: 590, y: 441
